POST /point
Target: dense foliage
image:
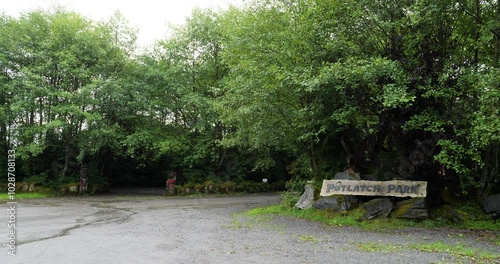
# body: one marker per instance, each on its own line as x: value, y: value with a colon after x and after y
x: 277, y: 89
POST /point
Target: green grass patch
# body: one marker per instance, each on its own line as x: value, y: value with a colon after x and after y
x: 352, y: 217
x: 19, y: 196
x: 470, y: 254
x: 310, y: 214
x: 458, y: 250
x: 338, y: 219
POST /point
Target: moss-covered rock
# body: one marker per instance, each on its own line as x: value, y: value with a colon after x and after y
x: 198, y: 188
x: 228, y: 187
x: 415, y: 208
x: 211, y: 187
x: 450, y: 214
x: 73, y: 188
x: 22, y: 187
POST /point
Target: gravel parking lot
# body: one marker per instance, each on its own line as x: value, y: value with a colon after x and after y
x: 148, y: 228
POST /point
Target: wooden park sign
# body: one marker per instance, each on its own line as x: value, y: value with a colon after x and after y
x: 374, y: 188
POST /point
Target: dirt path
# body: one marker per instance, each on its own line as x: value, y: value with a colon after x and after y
x: 154, y: 229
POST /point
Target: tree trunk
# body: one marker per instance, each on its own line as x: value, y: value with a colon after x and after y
x: 314, y: 161
x: 66, y: 162
x: 489, y: 172
x: 477, y: 33
x: 84, y: 177
x: 497, y: 42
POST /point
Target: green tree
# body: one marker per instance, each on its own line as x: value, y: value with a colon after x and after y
x: 60, y: 59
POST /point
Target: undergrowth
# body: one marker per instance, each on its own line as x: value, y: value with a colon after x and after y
x: 461, y: 251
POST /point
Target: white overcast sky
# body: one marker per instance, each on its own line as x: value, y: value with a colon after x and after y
x: 151, y: 17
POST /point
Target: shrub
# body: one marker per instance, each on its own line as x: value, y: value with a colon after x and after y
x: 289, y: 199
x: 228, y: 187
x: 211, y: 187
x: 39, y: 179
x: 98, y: 188
x: 295, y: 184
x: 254, y: 187
x: 278, y: 186
x: 198, y: 188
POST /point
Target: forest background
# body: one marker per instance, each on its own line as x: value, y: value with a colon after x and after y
x: 287, y: 90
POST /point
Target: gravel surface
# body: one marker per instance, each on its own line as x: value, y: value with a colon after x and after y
x: 148, y: 228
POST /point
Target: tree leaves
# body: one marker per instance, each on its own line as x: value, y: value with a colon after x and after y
x: 296, y: 78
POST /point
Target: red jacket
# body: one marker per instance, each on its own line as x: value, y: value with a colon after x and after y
x: 171, y: 181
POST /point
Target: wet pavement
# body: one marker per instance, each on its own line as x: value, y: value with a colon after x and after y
x: 146, y: 227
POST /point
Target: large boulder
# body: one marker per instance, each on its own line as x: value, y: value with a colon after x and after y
x: 377, y: 208
x: 491, y: 204
x: 307, y: 198
x: 346, y: 175
x: 368, y: 177
x: 414, y: 208
x: 337, y: 203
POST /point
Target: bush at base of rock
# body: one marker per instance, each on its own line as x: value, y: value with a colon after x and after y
x: 253, y: 187
x: 278, y: 186
x: 337, y: 203
x: 415, y: 208
x: 45, y: 190
x: 450, y: 214
x: 22, y: 187
x: 98, y: 188
x: 228, y: 187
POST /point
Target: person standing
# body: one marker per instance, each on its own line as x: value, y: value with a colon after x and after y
x: 170, y: 184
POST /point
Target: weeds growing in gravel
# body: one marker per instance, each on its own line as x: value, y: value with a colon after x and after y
x: 305, y: 238
x: 471, y: 255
